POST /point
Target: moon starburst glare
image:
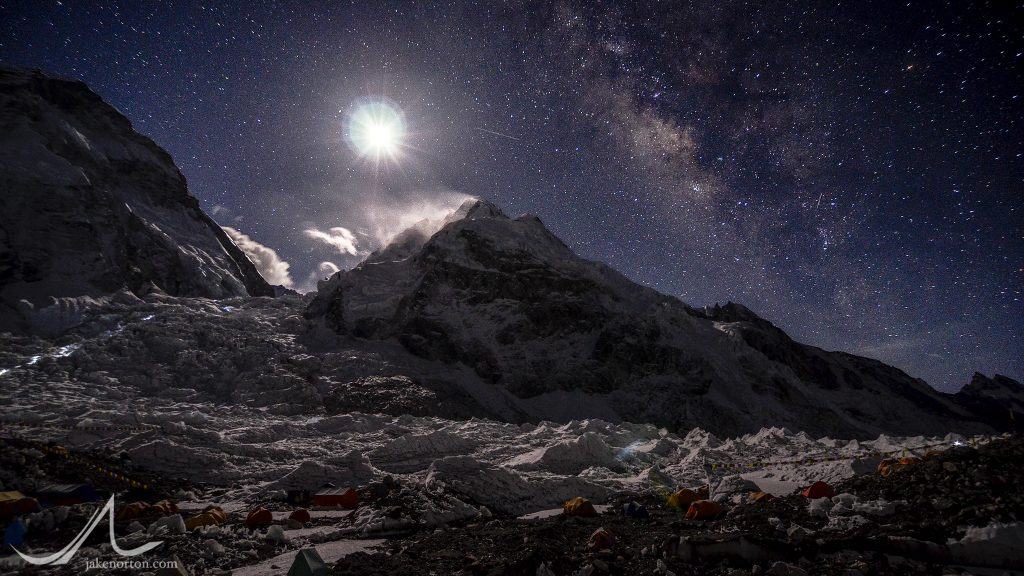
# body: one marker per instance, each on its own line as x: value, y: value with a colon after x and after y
x: 376, y: 130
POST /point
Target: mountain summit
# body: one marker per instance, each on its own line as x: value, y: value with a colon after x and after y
x: 565, y: 337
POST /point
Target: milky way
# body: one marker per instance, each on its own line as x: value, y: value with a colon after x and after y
x: 850, y: 171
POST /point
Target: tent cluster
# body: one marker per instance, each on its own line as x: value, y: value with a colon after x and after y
x: 696, y: 503
x: 136, y: 510
x: 14, y: 503
x: 683, y: 497
x: 693, y: 502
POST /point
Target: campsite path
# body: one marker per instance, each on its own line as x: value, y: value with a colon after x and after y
x: 195, y: 506
x: 329, y: 551
x: 314, y: 514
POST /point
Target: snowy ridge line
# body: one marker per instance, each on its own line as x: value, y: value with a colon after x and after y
x: 757, y: 465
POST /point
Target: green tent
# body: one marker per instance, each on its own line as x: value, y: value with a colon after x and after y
x: 308, y: 563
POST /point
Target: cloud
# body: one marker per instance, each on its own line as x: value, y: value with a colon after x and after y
x: 327, y: 269
x: 425, y: 211
x: 323, y: 271
x: 373, y: 223
x: 340, y: 238
x: 273, y: 269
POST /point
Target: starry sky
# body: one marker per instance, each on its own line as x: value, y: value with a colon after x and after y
x: 851, y: 171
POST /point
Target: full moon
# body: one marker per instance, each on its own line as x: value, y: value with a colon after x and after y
x: 376, y: 130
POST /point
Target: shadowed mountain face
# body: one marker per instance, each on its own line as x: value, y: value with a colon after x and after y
x: 573, y: 338
x: 998, y: 400
x: 89, y: 206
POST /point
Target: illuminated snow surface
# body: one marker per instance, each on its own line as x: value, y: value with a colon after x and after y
x: 267, y: 430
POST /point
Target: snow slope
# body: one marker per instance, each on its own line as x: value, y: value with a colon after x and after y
x: 232, y: 393
x: 511, y: 468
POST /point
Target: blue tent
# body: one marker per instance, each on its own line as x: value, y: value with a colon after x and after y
x: 14, y: 535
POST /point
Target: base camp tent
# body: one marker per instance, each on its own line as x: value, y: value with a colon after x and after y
x: 16, y: 504
x: 308, y: 563
x: 66, y: 494
x: 341, y: 497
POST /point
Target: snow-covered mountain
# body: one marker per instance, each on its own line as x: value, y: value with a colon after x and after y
x: 107, y: 268
x: 89, y: 206
x: 572, y: 338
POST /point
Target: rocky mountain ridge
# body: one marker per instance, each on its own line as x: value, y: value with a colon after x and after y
x: 91, y: 207
x: 571, y: 338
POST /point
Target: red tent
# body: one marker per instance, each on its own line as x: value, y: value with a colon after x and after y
x: 340, y: 497
x: 259, y: 517
x: 819, y: 490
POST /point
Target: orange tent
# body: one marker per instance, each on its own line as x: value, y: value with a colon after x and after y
x: 165, y: 507
x: 579, y: 507
x: 211, y: 516
x: 760, y: 497
x: 141, y: 509
x: 819, y: 490
x: 683, y: 497
x: 704, y: 510
x: 133, y: 511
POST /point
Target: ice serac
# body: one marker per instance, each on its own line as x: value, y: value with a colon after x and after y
x: 570, y: 338
x: 90, y: 206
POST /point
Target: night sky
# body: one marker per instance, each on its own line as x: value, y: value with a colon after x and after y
x: 851, y: 171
